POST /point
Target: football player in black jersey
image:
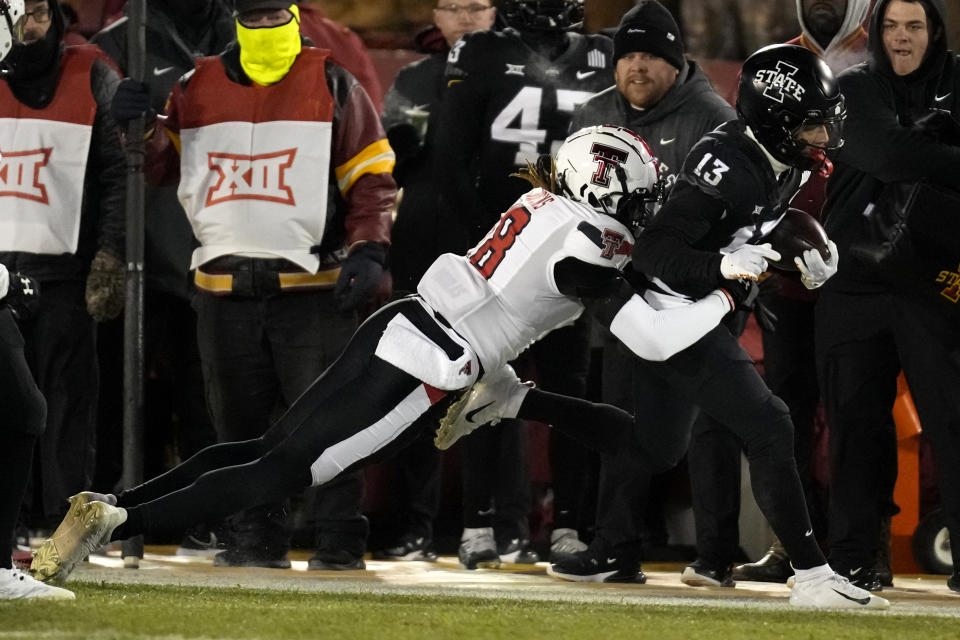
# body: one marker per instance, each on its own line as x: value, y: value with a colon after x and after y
x: 510, y: 97
x: 733, y: 188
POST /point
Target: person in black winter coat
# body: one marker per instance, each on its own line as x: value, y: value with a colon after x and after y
x: 866, y: 330
x: 63, y: 226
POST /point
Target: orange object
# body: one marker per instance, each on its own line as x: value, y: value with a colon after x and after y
x: 907, y: 491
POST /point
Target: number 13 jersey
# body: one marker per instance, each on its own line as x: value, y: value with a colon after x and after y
x: 502, y: 296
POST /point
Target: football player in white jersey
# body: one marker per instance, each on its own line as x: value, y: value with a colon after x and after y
x: 556, y: 248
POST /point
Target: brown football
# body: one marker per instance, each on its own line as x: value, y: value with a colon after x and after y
x: 796, y: 232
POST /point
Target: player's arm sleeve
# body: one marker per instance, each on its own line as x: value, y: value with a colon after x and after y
x: 362, y: 160
x: 108, y: 162
x: 659, y: 334
x: 666, y: 250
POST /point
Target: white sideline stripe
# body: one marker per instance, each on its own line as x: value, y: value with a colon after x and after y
x: 371, y: 439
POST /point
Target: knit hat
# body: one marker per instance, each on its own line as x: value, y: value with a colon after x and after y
x: 649, y: 27
x: 248, y: 5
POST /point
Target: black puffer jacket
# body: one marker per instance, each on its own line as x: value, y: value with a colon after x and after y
x: 104, y: 189
x: 881, y: 143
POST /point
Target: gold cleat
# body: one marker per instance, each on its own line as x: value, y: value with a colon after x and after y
x: 87, y: 525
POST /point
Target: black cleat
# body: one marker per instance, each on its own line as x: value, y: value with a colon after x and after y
x: 954, y: 582
x: 340, y: 560
x: 699, y: 574
x: 517, y: 551
x: 772, y: 567
x: 864, y: 577
x: 238, y: 558
x: 409, y: 547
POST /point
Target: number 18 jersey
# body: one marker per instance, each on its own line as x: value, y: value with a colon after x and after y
x: 502, y: 296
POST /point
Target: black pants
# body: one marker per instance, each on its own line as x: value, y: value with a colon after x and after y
x: 715, y: 376
x: 61, y: 351
x: 714, y: 454
x: 24, y: 419
x: 345, y: 411
x: 259, y: 353
x: 863, y: 341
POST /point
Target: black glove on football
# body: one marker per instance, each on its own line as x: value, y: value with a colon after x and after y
x: 360, y: 276
x: 131, y: 100
x: 23, y: 296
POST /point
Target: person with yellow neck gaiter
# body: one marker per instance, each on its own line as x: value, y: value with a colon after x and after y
x: 269, y: 39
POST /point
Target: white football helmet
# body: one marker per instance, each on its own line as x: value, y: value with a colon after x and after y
x: 11, y: 24
x: 612, y: 170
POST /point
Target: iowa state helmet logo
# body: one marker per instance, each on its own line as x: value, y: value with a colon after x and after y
x: 259, y: 177
x: 780, y: 83
x: 20, y: 174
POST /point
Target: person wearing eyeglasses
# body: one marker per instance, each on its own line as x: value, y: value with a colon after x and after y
x: 62, y: 192
x: 409, y: 117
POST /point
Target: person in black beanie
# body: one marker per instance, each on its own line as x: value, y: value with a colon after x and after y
x: 668, y: 100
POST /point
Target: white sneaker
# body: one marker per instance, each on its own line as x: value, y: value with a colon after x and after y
x: 565, y: 542
x: 86, y: 527
x: 16, y: 585
x: 834, y: 592
x: 497, y: 395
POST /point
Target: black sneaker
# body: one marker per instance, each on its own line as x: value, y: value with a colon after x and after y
x: 598, y: 564
x: 954, y: 582
x: 864, y: 577
x: 199, y: 541
x: 340, y: 560
x: 243, y: 558
x: 517, y: 551
x: 478, y: 549
x: 409, y: 547
x: 699, y: 574
x: 772, y: 567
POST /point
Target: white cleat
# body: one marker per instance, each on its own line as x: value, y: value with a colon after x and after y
x: 17, y: 585
x: 834, y: 592
x: 496, y: 396
x: 86, y: 527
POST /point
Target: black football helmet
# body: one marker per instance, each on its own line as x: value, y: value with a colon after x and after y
x: 785, y: 89
x: 542, y: 15
x: 11, y: 25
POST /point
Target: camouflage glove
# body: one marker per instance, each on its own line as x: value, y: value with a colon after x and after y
x: 105, y: 287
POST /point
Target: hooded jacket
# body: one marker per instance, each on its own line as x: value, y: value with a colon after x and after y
x: 847, y: 46
x: 686, y: 112
x: 881, y: 145
x: 104, y: 187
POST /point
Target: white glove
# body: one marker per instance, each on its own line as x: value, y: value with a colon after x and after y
x: 749, y: 261
x: 813, y: 270
x: 4, y: 281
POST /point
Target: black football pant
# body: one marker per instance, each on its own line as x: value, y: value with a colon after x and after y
x: 346, y: 406
x: 863, y: 341
x: 714, y: 453
x: 715, y: 376
x: 24, y: 418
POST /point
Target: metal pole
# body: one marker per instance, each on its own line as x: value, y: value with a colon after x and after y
x: 133, y: 309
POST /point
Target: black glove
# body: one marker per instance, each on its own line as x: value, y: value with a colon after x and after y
x: 23, y: 296
x: 131, y: 101
x: 360, y: 276
x: 743, y: 292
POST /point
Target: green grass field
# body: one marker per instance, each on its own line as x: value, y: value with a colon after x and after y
x: 139, y: 612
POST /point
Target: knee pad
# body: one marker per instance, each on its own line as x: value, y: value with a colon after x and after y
x: 770, y: 433
x: 29, y: 414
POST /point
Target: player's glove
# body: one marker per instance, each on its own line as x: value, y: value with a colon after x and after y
x: 131, y: 101
x: 740, y: 293
x: 360, y: 276
x: 20, y: 293
x: 814, y: 272
x: 105, y: 287
x: 749, y: 261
